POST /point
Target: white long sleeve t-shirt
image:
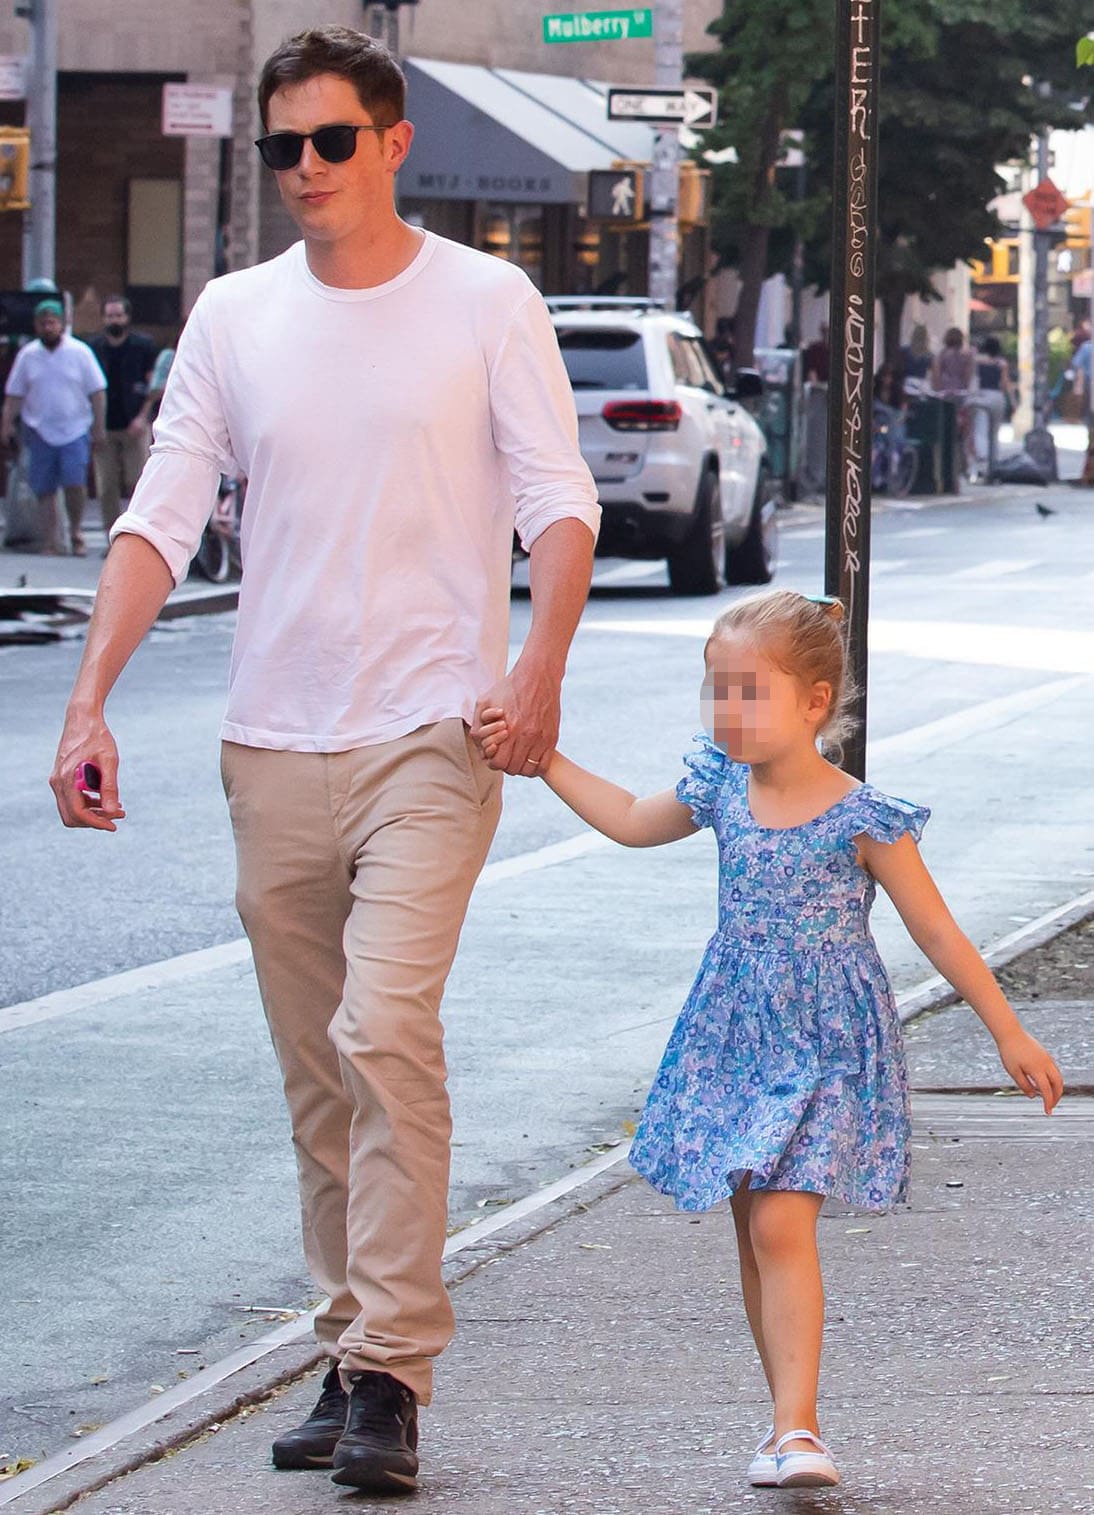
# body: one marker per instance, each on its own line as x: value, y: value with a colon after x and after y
x: 391, y: 438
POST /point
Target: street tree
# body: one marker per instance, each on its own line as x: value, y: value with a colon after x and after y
x: 769, y: 60
x: 965, y: 85
x: 961, y: 93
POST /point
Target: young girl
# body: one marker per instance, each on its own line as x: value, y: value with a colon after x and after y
x: 784, y: 1079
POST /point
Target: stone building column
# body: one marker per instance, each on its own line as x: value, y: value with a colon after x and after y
x: 199, y: 213
x: 243, y: 241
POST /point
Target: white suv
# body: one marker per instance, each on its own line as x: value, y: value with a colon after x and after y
x: 678, y: 461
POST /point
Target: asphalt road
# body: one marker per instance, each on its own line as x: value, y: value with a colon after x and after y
x: 148, y: 1191
x: 80, y: 906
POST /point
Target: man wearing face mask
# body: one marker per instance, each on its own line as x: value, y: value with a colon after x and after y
x: 127, y: 358
x: 57, y: 389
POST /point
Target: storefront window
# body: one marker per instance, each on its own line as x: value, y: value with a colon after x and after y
x: 514, y: 232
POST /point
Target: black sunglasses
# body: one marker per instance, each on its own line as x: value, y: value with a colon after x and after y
x: 334, y: 144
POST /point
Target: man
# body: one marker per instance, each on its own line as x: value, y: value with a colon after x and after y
x: 57, y: 389
x: 1082, y: 378
x: 397, y: 402
x: 127, y: 358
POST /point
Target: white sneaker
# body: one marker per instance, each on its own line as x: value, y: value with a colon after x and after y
x: 804, y: 1470
x: 763, y: 1472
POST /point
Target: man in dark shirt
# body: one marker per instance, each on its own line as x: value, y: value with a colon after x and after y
x: 127, y: 358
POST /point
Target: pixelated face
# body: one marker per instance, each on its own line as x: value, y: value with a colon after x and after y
x: 752, y: 708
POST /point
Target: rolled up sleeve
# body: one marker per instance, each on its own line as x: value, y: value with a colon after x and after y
x: 535, y: 427
x: 177, y: 489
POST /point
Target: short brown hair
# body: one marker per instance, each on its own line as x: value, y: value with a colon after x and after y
x: 348, y: 54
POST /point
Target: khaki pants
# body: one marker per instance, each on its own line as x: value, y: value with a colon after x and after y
x: 118, y: 464
x: 355, y: 870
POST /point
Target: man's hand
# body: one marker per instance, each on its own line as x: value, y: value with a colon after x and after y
x: 86, y: 739
x: 531, y: 698
x: 137, y: 426
x: 98, y: 436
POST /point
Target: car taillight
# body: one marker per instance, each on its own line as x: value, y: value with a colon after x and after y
x: 642, y: 415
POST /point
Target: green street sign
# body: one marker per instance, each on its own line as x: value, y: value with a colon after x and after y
x: 599, y: 26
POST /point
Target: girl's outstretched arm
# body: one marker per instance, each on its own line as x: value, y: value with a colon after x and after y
x: 900, y: 870
x: 605, y: 806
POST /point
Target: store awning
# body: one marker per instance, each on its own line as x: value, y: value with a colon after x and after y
x: 500, y: 134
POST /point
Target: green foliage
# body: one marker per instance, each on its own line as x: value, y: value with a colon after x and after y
x: 1084, y: 52
x: 956, y: 101
x: 770, y: 59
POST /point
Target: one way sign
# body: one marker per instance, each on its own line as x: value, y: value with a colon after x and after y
x: 670, y: 107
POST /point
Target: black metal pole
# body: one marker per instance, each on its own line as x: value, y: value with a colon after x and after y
x: 850, y: 384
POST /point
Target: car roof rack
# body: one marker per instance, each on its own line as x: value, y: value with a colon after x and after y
x: 603, y: 302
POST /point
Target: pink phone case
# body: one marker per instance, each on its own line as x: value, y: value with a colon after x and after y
x: 89, y: 779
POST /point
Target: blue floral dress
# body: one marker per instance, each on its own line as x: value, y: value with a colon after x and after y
x: 787, y: 1060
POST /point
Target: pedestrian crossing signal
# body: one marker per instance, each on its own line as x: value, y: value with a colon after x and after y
x: 14, y: 168
x: 616, y: 194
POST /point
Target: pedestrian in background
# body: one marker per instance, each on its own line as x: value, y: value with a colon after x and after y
x: 157, y: 383
x: 58, y: 391
x: 994, y: 400
x: 784, y: 1081
x: 127, y: 358
x: 953, y: 374
x: 1081, y: 375
x: 817, y: 358
x: 954, y: 367
x: 916, y: 358
x: 724, y: 349
x: 399, y: 404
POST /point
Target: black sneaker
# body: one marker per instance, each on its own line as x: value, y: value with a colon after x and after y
x: 312, y: 1444
x: 379, y: 1451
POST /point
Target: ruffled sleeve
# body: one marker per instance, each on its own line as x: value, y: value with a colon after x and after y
x: 707, y: 766
x: 886, y: 818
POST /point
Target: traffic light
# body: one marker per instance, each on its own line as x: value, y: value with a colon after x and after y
x: 14, y: 167
x: 1077, y: 225
x: 694, y: 205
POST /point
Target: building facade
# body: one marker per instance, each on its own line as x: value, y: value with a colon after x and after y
x: 508, y: 129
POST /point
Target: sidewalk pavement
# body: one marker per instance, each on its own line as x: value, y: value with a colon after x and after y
x: 602, y: 1362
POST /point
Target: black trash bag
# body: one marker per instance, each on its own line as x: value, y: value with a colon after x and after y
x: 1020, y: 468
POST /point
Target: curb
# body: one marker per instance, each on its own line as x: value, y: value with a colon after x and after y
x: 211, y: 601
x: 290, y: 1352
x: 935, y: 993
x: 74, y: 605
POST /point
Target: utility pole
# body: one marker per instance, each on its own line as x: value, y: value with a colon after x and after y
x: 668, y: 44
x: 383, y: 21
x: 850, y: 388
x: 1039, y: 440
x: 40, y: 221
x: 1042, y: 246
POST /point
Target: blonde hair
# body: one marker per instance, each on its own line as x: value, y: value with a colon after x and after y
x: 804, y: 638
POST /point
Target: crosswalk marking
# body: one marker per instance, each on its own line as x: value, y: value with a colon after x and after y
x: 995, y: 568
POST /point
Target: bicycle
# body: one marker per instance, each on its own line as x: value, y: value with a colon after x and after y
x: 895, y: 457
x: 218, y: 556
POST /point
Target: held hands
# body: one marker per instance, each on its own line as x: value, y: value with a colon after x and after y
x: 516, y: 722
x: 491, y: 732
x: 1031, y: 1067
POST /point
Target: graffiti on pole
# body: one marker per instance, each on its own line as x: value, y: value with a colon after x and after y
x: 850, y: 422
